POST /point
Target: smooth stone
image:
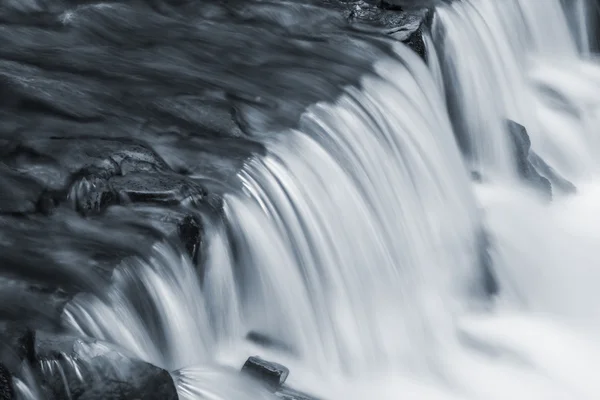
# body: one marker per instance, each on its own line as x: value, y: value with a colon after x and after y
x: 271, y: 374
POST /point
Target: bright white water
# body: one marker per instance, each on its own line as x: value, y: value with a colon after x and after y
x: 356, y: 238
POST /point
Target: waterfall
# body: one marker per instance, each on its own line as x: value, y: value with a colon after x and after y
x: 356, y: 238
x: 518, y: 60
x: 370, y: 221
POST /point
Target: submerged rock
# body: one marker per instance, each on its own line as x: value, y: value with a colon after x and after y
x: 403, y: 24
x: 267, y: 341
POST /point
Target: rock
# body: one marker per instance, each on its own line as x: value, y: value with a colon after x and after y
x: 74, y: 367
x: 384, y: 17
x: 57, y: 162
x: 265, y: 340
x: 531, y: 167
x: 271, y: 374
x: 521, y: 145
x: 91, y: 195
x: 7, y: 391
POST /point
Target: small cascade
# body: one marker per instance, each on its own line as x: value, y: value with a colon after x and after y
x: 160, y: 298
x: 370, y: 224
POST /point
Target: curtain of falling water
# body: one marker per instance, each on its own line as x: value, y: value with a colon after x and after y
x: 357, y: 236
x: 154, y: 309
x: 518, y: 59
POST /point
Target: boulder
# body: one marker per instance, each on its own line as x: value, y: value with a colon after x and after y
x: 67, y: 366
x: 270, y: 374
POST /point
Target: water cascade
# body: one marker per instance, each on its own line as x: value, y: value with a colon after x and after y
x: 388, y: 242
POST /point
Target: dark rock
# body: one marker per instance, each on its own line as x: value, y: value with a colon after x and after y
x: 16, y: 345
x: 7, y: 391
x: 531, y: 167
x: 270, y: 374
x: 73, y: 367
x: 102, y: 157
x: 416, y: 42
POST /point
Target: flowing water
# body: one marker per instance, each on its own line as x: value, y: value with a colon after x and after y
x: 356, y: 238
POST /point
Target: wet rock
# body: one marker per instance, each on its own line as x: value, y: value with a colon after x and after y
x: 271, y: 374
x: 384, y: 17
x: 102, y: 157
x: 489, y: 281
x: 531, y: 167
x: 16, y: 345
x: 7, y: 391
x: 73, y: 367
